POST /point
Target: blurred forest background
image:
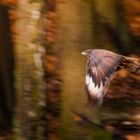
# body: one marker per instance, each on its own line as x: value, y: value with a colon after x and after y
x: 42, y: 95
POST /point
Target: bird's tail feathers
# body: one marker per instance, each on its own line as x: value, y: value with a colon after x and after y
x: 133, y: 65
x: 95, y: 101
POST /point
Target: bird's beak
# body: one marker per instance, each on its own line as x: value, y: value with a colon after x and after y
x: 83, y: 53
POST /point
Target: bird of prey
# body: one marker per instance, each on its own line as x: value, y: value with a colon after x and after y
x: 102, y: 65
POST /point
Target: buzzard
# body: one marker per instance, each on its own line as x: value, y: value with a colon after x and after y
x: 102, y: 65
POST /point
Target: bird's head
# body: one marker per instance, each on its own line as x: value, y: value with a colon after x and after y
x: 87, y: 52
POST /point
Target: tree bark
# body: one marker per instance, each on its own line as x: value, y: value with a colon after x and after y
x: 29, y: 121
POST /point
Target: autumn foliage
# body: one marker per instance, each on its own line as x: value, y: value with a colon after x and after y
x: 132, y: 16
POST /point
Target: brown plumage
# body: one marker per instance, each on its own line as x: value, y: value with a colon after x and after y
x: 102, y: 66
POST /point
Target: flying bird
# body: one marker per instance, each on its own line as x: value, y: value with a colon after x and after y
x: 102, y: 65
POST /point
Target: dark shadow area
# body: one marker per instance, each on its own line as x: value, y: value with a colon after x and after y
x: 6, y: 70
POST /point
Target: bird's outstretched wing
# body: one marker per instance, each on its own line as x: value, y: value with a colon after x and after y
x: 100, y: 70
x: 102, y: 65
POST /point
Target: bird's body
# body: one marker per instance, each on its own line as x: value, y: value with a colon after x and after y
x: 102, y: 66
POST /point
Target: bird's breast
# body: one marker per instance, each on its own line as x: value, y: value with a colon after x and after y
x: 93, y: 90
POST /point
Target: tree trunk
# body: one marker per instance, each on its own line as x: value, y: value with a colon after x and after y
x: 29, y: 121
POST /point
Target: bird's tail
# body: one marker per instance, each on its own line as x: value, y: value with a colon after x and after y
x: 95, y: 101
x: 133, y: 64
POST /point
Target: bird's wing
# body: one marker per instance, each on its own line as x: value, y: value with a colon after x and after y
x: 101, y: 67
